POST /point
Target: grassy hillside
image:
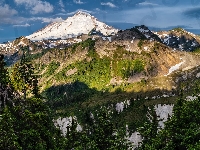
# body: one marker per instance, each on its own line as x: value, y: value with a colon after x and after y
x: 82, y: 78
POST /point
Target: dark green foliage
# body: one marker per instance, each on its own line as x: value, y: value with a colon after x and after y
x: 140, y: 43
x: 64, y: 95
x: 8, y: 137
x: 178, y: 29
x: 23, y: 78
x: 196, y: 50
x: 126, y: 68
x: 28, y: 125
x: 149, y: 130
x: 105, y: 133
x: 3, y: 71
x: 94, y: 73
x: 138, y: 66
x: 51, y: 68
x: 182, y: 131
x: 31, y: 57
x: 89, y: 43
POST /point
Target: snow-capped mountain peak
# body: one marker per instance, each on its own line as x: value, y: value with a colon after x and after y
x: 80, y: 23
x: 82, y: 13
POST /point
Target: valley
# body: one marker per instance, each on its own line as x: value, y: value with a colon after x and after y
x: 128, y: 72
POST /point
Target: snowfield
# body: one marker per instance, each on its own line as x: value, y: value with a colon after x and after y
x: 80, y: 23
x: 174, y: 68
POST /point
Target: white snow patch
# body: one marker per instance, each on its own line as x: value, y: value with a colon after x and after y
x: 64, y: 123
x: 180, y: 46
x: 109, y: 39
x: 163, y: 112
x: 166, y: 39
x: 78, y: 40
x: 104, y: 38
x: 52, y: 45
x: 120, y: 106
x: 164, y: 95
x: 193, y: 44
x: 147, y: 36
x: 143, y: 30
x: 136, y: 139
x: 191, y: 98
x: 145, y: 48
x: 198, y: 75
x: 174, y: 68
x: 21, y: 43
x: 79, y: 128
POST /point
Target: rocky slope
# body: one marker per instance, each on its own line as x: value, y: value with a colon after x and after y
x: 179, y: 39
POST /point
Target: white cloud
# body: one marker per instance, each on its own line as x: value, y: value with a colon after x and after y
x: 7, y: 14
x: 97, y: 10
x: 6, y: 11
x: 157, y: 17
x: 109, y: 4
x: 47, y: 20
x: 78, y: 2
x: 147, y: 4
x: 42, y: 7
x: 62, y: 5
x: 22, y: 25
x: 36, y: 6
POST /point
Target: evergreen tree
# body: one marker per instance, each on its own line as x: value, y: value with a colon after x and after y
x: 149, y: 130
x: 3, y: 71
x: 26, y: 123
x: 182, y: 130
x: 104, y: 134
x: 23, y: 78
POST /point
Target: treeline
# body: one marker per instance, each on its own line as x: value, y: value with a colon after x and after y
x: 26, y: 121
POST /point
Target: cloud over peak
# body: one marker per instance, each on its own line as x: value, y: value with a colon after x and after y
x: 78, y: 2
x: 147, y: 4
x: 109, y: 4
x: 62, y: 5
x: 47, y: 20
x: 22, y: 25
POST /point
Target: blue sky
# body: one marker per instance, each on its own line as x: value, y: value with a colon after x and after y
x: 23, y: 17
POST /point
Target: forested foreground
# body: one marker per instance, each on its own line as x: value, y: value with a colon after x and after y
x: 27, y: 122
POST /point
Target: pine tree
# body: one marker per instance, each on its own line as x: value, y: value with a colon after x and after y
x: 3, y: 71
x: 26, y: 123
x: 182, y: 130
x: 23, y: 78
x: 104, y: 134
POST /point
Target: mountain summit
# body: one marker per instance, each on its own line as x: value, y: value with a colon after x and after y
x: 80, y: 23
